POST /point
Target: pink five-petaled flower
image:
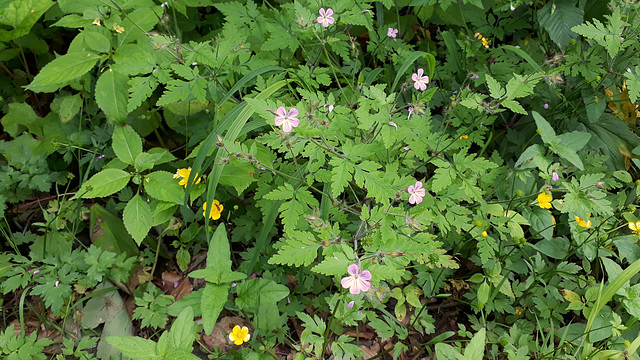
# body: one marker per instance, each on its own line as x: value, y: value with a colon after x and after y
x: 325, y: 17
x: 287, y: 120
x: 417, y: 193
x: 357, y: 281
x: 420, y: 80
x: 393, y: 33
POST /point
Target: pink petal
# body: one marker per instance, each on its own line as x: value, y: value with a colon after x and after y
x: 329, y: 12
x: 281, y: 111
x: 363, y: 285
x: 347, y: 282
x: 293, y: 112
x: 418, y: 185
x: 366, y: 275
x: 355, y: 288
x: 423, y: 86
x: 330, y: 20
x: 320, y: 19
x: 414, y: 77
x: 420, y: 192
x: 286, y: 126
x: 416, y: 85
x: 420, y: 72
x: 294, y: 122
x: 279, y: 120
x: 426, y: 79
x: 412, y: 199
x: 322, y: 13
x: 353, y: 269
x: 411, y: 189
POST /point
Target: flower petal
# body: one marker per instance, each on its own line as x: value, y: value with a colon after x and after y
x: 330, y: 20
x: 286, y: 126
x: 414, y: 77
x: 329, y: 12
x: 366, y: 275
x: 420, y: 192
x: 420, y: 72
x: 364, y: 285
x: 294, y: 122
x: 293, y: 112
x: 321, y: 12
x: 418, y: 185
x: 281, y: 111
x: 411, y: 189
x: 347, y: 282
x: 353, y: 269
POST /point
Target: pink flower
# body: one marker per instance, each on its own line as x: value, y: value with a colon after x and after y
x: 417, y: 193
x: 393, y: 124
x: 420, y: 81
x: 555, y: 176
x: 287, y: 120
x: 358, y: 281
x: 350, y: 304
x: 325, y: 17
x: 410, y: 113
x: 391, y: 32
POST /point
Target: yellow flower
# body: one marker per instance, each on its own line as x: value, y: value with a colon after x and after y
x: 239, y: 335
x: 215, y: 211
x: 477, y: 35
x: 96, y: 22
x: 518, y: 312
x: 486, y: 42
x: 464, y: 137
x: 544, y: 200
x: 582, y: 223
x: 119, y: 29
x: 184, y: 174
x: 484, y: 234
x: 635, y: 227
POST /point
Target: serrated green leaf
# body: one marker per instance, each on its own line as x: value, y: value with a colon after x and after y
x: 284, y: 192
x: 514, y: 106
x: 20, y: 16
x: 520, y: 86
x: 213, y: 299
x: 96, y: 41
x: 558, y: 18
x: 127, y: 144
x: 495, y: 90
x: 342, y: 173
x: 547, y: 133
x: 140, y: 88
x: 111, y: 95
x: 162, y: 186
x: 137, y: 218
x: 334, y: 265
x: 104, y: 183
x: 298, y: 251
x: 61, y: 71
x: 134, y: 347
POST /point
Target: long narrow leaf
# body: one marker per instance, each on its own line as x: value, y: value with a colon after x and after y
x: 409, y: 61
x: 245, y: 79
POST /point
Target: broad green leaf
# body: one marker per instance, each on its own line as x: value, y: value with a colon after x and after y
x: 104, y: 183
x: 253, y: 292
x: 127, y: 144
x: 19, y: 117
x: 541, y: 221
x: 20, y: 16
x: 484, y: 290
x: 568, y: 153
x: 145, y: 161
x: 162, y: 186
x: 96, y: 41
x: 109, y: 234
x: 213, y: 299
x: 447, y: 352
x: 182, y: 335
x: 575, y: 140
x: 111, y: 96
x: 219, y: 253
x: 558, y: 18
x: 134, y: 347
x: 545, y: 130
x: 137, y: 218
x: 475, y: 348
x: 59, y: 72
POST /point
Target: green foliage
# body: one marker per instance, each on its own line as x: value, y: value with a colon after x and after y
x: 509, y: 185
